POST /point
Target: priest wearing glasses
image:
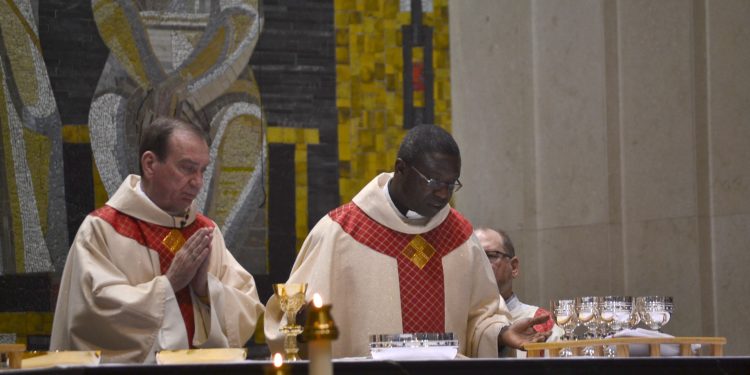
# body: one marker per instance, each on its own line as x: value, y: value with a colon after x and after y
x: 506, y: 267
x: 399, y: 259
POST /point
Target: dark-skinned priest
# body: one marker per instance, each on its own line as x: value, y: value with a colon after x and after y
x: 399, y: 259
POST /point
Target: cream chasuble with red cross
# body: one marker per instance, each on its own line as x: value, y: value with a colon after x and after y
x: 114, y: 295
x: 385, y: 274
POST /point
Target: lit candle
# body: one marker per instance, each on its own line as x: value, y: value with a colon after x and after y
x: 319, y: 331
x: 278, y: 365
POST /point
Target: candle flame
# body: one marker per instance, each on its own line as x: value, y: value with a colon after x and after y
x: 278, y: 360
x: 317, y: 300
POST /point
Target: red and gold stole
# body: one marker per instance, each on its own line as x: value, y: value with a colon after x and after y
x: 419, y: 259
x: 166, y: 242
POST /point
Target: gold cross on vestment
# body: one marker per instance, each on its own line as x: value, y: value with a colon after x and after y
x: 419, y: 251
x: 173, y: 240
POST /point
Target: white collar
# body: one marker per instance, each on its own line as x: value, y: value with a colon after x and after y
x: 374, y: 203
x: 131, y: 200
x: 410, y: 215
x: 512, y: 302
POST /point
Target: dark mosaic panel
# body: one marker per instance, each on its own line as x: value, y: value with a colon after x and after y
x: 294, y: 64
x: 26, y: 292
x: 79, y: 185
x: 74, y: 54
x: 322, y: 160
x: 281, y: 233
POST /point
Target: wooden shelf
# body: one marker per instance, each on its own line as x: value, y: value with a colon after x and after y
x: 622, y: 344
x: 14, y: 353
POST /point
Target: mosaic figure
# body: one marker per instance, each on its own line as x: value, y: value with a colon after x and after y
x: 187, y: 59
x: 32, y: 194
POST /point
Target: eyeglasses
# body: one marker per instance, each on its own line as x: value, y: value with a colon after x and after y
x: 435, y: 184
x: 495, y: 255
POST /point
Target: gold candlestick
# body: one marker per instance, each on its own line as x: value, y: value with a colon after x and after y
x: 320, y: 329
x: 291, y: 298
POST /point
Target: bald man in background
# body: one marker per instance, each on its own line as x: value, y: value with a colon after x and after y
x: 505, y: 265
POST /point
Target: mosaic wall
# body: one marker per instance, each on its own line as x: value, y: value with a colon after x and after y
x: 339, y: 82
x: 186, y: 59
x: 392, y: 72
x: 32, y: 206
x: 73, y: 56
x: 294, y: 61
x: 294, y: 65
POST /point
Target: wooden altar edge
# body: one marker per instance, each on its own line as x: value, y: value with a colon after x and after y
x: 715, y: 344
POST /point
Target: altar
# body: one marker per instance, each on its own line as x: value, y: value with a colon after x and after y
x: 556, y: 366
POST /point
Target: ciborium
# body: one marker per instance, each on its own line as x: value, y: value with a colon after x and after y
x: 291, y: 298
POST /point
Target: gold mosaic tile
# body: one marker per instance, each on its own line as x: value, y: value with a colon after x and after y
x: 369, y: 87
x: 26, y: 323
x: 35, y: 324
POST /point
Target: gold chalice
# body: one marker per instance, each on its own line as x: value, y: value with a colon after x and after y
x: 291, y: 298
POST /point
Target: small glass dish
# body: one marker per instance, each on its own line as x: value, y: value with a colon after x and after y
x: 413, y: 346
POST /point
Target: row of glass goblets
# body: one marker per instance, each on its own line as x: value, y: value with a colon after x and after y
x: 605, y: 316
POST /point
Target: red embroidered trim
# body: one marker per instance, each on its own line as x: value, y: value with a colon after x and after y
x: 151, y: 236
x: 422, y: 290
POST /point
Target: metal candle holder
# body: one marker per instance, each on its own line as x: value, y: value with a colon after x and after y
x: 320, y: 330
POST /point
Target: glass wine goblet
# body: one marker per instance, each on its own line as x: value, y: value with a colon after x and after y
x: 607, y: 310
x: 626, y: 314
x: 616, y: 313
x: 565, y: 317
x: 588, y: 317
x: 656, y: 311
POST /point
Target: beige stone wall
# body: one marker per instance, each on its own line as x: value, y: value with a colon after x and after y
x: 612, y: 140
